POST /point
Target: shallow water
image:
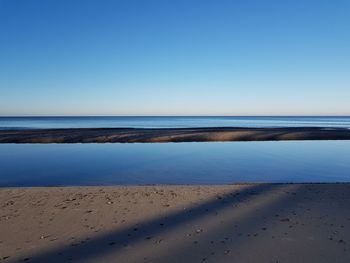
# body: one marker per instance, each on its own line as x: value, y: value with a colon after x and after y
x: 174, y: 163
x: 170, y: 122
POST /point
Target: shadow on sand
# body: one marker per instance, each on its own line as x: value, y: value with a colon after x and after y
x: 253, y: 197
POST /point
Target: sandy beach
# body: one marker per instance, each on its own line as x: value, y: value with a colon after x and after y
x: 229, y: 223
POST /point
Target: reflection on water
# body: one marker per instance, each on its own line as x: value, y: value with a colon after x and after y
x: 174, y: 163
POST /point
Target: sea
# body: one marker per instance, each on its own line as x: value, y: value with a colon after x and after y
x: 171, y: 121
x: 204, y: 163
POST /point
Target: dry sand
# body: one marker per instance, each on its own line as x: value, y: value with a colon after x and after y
x: 101, y: 135
x: 232, y: 223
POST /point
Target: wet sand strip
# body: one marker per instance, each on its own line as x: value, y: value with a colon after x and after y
x: 129, y: 135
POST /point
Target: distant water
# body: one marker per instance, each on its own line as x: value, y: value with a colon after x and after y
x: 172, y: 163
x: 170, y: 122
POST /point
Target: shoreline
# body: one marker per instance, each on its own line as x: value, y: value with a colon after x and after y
x: 117, y: 186
x: 171, y: 223
x: 140, y: 135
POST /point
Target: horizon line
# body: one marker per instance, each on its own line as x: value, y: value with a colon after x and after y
x: 48, y: 116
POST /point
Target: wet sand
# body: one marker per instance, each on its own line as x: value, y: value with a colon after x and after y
x: 230, y: 223
x: 128, y: 135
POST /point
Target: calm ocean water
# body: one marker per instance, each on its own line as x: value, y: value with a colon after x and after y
x: 174, y: 163
x: 184, y: 163
x: 169, y: 122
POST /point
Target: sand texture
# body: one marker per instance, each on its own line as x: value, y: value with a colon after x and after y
x: 101, y: 135
x: 232, y: 223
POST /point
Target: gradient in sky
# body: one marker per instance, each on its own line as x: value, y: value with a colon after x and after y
x: 175, y: 57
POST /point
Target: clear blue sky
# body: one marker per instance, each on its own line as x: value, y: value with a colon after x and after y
x: 175, y: 57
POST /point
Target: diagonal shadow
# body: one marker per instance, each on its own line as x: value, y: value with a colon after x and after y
x: 118, y: 239
x: 239, y: 225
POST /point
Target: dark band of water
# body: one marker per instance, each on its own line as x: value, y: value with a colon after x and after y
x: 172, y: 122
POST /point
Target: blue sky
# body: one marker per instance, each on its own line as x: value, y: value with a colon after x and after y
x: 175, y: 57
